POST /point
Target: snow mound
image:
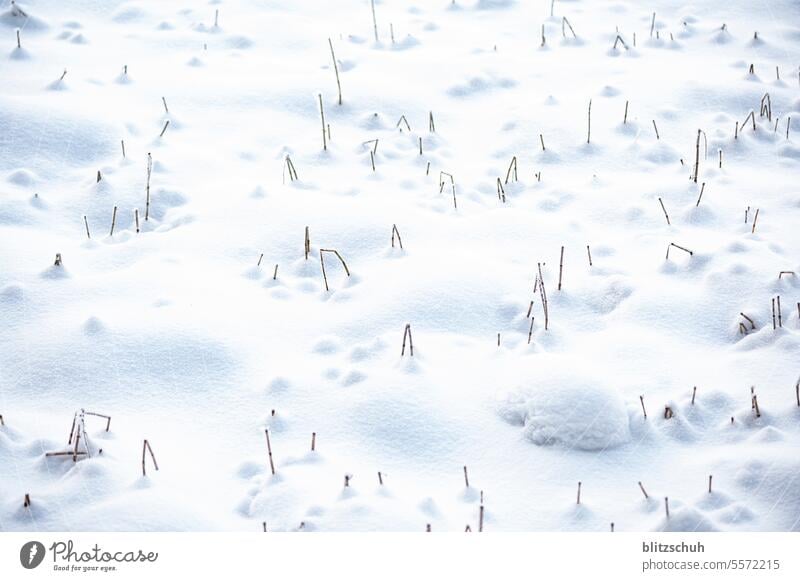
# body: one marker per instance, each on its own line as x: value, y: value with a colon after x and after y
x: 574, y: 412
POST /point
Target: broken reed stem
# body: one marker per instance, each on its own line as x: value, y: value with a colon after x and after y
x: 589, y: 134
x: 86, y: 223
x: 165, y: 128
x: 644, y: 411
x: 145, y: 448
x: 374, y: 21
x: 660, y: 201
x: 618, y: 40
x: 480, y: 519
x: 796, y: 387
x: 541, y: 139
x: 666, y: 505
x: 697, y: 156
x: 755, y: 219
x: 755, y: 406
x: 313, y: 441
x: 407, y: 333
x: 322, y: 116
x: 543, y: 296
x: 147, y: 187
x: 431, y: 125
x: 466, y: 477
x: 709, y: 483
x: 166, y: 109
x: 122, y: 141
x: 694, y: 392
x: 275, y: 274
x: 26, y: 502
x: 307, y: 243
x: 372, y: 159
x: 656, y: 128
x: 322, y: 262
x: 380, y: 478
x: 530, y: 331
x: 530, y: 308
x: 290, y: 167
x: 652, y: 25
x: 136, y: 218
x: 751, y: 116
x: 336, y: 70
x: 269, y: 452
x: 501, y: 192
x: 702, y: 188
x: 560, y: 268
x: 579, y: 493
x: 395, y: 231
x: 2, y: 423
x: 113, y: 221
x: 563, y: 32
x: 720, y: 159
x: 641, y: 487
x: 511, y: 166
x: 780, y: 317
x: 625, y: 117
x: 752, y: 324
x: 671, y: 244
x: 589, y: 253
x: 19, y: 44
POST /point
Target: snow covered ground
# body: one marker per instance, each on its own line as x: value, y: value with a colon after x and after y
x: 187, y: 336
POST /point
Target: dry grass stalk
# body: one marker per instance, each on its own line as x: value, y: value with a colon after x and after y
x: 147, y: 187
x: 396, y: 232
x: 336, y: 70
x: 86, y: 223
x: 512, y: 166
x: 307, y: 243
x: 290, y: 167
x: 407, y: 334
x: 589, y: 253
x: 322, y: 116
x: 671, y: 244
x: 147, y: 448
x: 560, y: 268
x: 113, y: 221
x: 563, y: 32
x: 269, y: 452
x: 702, y: 189
x: 641, y: 487
x: 644, y: 411
x: 501, y: 192
x: 322, y: 263
x: 660, y: 201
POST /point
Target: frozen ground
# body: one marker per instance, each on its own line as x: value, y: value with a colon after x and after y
x: 180, y: 336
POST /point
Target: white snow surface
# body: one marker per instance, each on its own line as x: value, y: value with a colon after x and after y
x: 185, y: 334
